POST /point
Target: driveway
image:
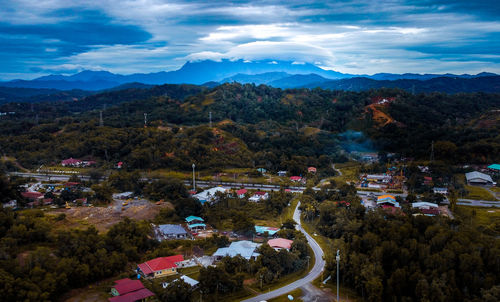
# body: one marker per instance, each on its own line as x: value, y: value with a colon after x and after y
x: 315, y: 272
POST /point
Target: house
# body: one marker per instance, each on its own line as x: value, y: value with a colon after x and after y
x: 209, y: 195
x: 387, y: 200
x: 244, y: 248
x: 295, y: 178
x: 262, y: 170
x: 123, y: 195
x: 443, y: 191
x: 71, y: 162
x: 258, y: 196
x: 194, y: 219
x: 119, y: 165
x: 369, y: 157
x: 427, y: 180
x: 478, y: 178
x: 192, y: 282
x: 195, y: 223
x: 127, y: 290
x: 495, y: 168
x: 282, y: 173
x: 170, y: 231
x: 260, y: 230
x: 424, y: 205
x: 280, y: 243
x: 32, y: 196
x: 378, y: 178
x: 311, y: 170
x: 426, y: 208
x: 241, y: 193
x: 11, y: 204
x: 160, y: 267
x: 368, y: 204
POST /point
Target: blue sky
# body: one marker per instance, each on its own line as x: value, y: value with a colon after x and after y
x: 361, y: 37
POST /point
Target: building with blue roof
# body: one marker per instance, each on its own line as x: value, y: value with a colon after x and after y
x: 194, y: 219
x: 260, y: 230
x: 197, y: 226
x: 170, y: 231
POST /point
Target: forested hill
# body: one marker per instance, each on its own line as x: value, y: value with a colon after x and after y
x: 273, y: 128
x: 488, y: 84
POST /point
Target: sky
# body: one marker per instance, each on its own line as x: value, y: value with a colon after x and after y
x: 39, y: 37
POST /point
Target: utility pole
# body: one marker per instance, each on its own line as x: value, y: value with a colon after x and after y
x: 210, y: 118
x: 308, y: 262
x: 101, y: 122
x: 36, y: 119
x: 338, y: 260
x: 194, y: 181
x: 432, y: 151
x: 145, y: 120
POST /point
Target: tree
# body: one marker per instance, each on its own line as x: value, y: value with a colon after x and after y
x: 102, y: 192
x: 176, y: 291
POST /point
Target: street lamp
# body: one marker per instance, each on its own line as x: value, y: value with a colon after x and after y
x: 308, y: 261
x: 194, y: 181
x: 338, y: 260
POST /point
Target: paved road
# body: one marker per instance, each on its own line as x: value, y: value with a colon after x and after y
x: 262, y: 187
x: 318, y: 267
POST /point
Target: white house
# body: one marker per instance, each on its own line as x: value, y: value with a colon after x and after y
x: 478, y: 178
x: 258, y: 196
x: 209, y: 195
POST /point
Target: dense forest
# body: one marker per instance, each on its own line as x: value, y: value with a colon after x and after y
x: 268, y: 127
x: 402, y: 257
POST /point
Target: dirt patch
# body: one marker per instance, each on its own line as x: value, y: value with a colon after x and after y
x: 379, y: 117
x: 105, y: 217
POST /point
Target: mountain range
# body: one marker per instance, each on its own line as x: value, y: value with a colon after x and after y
x: 280, y: 74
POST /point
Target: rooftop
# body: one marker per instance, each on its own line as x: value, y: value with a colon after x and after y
x: 172, y: 229
x: 476, y: 175
x: 193, y: 218
x: 160, y: 263
x: 280, y: 243
x: 244, y: 248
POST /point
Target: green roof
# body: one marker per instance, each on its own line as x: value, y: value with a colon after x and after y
x: 494, y: 166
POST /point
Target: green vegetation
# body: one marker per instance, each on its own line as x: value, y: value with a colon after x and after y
x: 478, y: 193
x: 385, y: 256
x: 296, y: 294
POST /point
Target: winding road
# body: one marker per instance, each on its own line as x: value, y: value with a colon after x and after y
x: 315, y: 272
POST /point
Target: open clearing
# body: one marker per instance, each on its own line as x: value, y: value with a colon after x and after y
x: 105, y: 217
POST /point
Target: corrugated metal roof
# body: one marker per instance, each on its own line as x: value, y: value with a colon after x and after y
x: 174, y: 229
x: 244, y: 248
x: 478, y: 175
x: 133, y: 296
x: 494, y: 166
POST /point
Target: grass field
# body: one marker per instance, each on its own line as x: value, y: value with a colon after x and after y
x: 478, y: 193
x: 486, y: 218
x: 296, y: 294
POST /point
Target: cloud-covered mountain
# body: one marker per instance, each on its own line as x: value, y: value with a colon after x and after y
x: 190, y: 73
x: 283, y: 74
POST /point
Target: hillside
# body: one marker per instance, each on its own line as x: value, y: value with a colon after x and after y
x: 300, y: 124
x: 488, y: 84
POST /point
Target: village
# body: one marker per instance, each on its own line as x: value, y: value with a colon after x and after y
x: 390, y: 191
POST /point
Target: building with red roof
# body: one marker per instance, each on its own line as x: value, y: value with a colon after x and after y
x: 280, y: 243
x: 295, y: 178
x: 127, y: 290
x: 160, y: 267
x: 312, y: 170
x: 241, y: 193
x: 73, y: 162
x: 33, y: 196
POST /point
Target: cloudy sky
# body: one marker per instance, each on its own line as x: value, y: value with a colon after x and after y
x: 39, y: 37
